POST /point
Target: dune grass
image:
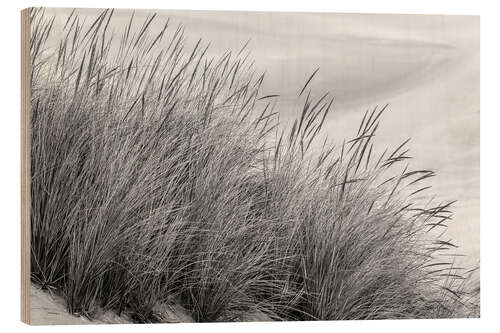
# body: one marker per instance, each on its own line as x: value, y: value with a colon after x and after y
x: 162, y: 175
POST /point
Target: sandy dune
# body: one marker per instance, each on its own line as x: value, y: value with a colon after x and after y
x: 50, y: 309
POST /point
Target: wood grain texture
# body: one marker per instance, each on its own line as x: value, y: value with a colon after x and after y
x: 25, y: 166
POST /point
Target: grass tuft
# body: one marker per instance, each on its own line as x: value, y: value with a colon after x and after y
x: 160, y: 175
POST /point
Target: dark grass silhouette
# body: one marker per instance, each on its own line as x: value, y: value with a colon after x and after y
x: 161, y: 175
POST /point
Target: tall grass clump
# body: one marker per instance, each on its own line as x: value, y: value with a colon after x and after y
x: 162, y: 175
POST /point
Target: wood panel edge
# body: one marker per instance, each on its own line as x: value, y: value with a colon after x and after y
x: 25, y: 167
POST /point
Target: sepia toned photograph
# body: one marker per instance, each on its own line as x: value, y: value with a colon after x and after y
x: 184, y: 166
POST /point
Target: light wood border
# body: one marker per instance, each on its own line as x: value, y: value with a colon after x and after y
x: 25, y: 166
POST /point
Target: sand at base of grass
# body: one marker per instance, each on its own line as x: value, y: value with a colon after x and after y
x: 48, y: 308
